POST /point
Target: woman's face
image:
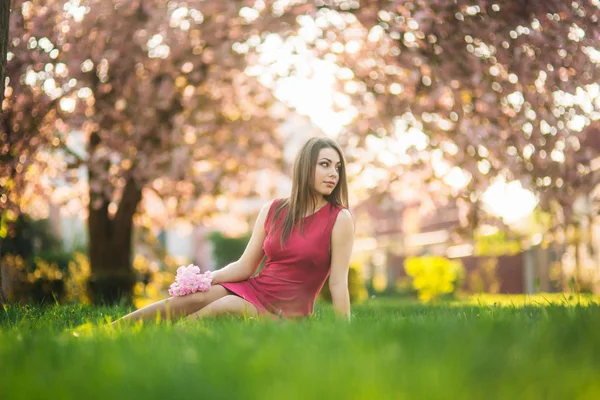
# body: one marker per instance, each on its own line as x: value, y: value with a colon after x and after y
x: 327, y: 171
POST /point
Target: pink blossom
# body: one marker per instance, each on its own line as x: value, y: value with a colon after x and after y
x: 189, y: 280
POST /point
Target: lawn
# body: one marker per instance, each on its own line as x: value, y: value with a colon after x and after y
x: 481, y: 348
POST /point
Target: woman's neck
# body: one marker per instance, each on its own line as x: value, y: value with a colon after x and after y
x: 319, y: 203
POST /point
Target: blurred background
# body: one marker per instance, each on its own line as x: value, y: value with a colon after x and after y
x: 140, y: 135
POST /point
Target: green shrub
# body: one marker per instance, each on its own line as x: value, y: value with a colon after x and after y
x: 37, y: 269
x: 227, y: 249
x: 39, y: 282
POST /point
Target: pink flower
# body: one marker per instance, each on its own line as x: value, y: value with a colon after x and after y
x: 189, y: 280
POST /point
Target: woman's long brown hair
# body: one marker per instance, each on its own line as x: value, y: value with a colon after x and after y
x: 303, y: 199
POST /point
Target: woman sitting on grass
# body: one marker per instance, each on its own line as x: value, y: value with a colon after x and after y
x: 305, y: 238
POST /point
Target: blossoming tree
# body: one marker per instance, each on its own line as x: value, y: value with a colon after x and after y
x: 156, y: 92
x: 498, y: 88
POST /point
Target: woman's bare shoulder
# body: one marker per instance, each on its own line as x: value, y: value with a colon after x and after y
x: 344, y: 220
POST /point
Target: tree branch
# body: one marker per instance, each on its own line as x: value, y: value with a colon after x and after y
x: 4, y: 23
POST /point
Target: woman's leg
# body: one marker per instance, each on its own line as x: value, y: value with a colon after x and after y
x: 226, y: 305
x: 176, y: 307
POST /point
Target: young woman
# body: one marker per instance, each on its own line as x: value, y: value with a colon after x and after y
x: 306, y: 238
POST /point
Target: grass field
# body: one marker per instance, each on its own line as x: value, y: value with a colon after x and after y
x: 544, y: 347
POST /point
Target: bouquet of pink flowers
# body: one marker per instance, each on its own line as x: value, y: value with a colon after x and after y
x: 189, y: 280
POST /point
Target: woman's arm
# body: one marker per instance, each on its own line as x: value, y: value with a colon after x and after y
x: 342, y: 240
x: 243, y: 268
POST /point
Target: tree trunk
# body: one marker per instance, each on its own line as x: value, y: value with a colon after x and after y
x: 2, y: 283
x: 4, y: 18
x: 577, y: 243
x: 4, y: 21
x: 112, y: 275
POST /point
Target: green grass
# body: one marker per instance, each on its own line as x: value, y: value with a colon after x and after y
x: 391, y: 350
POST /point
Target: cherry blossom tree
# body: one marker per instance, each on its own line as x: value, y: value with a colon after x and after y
x: 476, y: 91
x: 28, y: 112
x: 157, y: 93
x: 498, y: 88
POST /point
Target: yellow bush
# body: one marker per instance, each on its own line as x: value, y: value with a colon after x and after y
x: 42, y: 282
x: 153, y: 280
x: 79, y: 273
x: 433, y: 276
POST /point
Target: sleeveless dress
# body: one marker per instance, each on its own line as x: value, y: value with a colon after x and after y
x: 293, y: 276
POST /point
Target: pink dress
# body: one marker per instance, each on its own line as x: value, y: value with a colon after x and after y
x: 293, y: 275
